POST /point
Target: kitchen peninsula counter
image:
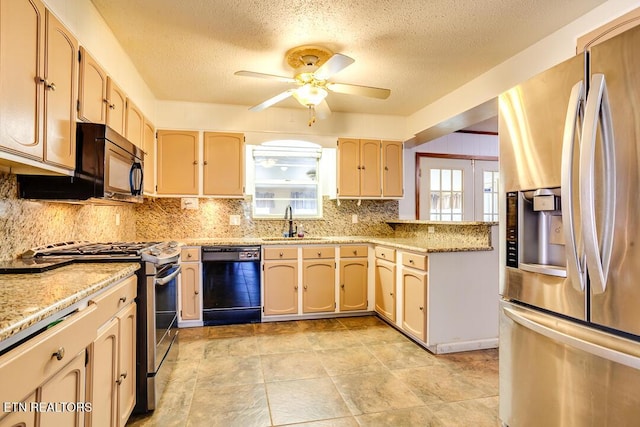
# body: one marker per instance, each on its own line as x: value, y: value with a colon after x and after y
x: 31, y: 300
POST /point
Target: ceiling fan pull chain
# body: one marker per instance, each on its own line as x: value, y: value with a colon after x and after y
x: 312, y: 114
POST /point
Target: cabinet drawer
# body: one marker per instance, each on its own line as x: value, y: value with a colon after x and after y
x: 415, y: 261
x: 190, y: 254
x: 30, y: 364
x: 385, y: 253
x: 353, y: 251
x: 310, y: 252
x: 281, y: 253
x: 111, y: 301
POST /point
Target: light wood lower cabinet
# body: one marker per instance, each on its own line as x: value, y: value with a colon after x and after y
x: 414, y: 304
x: 280, y: 287
x: 318, y: 278
x: 354, y: 277
x: 190, y: 285
x: 112, y: 358
x: 385, y: 273
x: 68, y: 385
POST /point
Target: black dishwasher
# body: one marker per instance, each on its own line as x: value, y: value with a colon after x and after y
x: 230, y: 285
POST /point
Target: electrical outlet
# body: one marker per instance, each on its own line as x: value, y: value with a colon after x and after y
x: 189, y: 203
x: 431, y: 229
x: 234, y: 219
x: 117, y: 219
x: 354, y: 218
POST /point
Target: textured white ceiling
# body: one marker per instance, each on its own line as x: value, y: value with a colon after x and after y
x: 420, y: 49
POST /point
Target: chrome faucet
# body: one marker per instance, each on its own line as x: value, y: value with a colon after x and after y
x: 288, y: 214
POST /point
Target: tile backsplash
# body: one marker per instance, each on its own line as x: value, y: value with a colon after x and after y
x: 26, y: 224
x: 163, y: 218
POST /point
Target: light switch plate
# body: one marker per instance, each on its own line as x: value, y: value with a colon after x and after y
x: 354, y: 218
x: 234, y: 219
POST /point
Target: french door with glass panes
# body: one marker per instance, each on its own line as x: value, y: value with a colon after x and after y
x: 457, y: 189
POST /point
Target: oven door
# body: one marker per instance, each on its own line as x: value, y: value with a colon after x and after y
x: 166, y: 314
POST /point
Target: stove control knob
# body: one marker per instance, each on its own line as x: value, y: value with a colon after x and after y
x: 173, y: 244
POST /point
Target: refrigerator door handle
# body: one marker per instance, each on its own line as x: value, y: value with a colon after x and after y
x: 575, y: 252
x: 580, y: 338
x: 598, y: 254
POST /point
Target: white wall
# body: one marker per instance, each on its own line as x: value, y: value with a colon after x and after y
x: 455, y: 143
x: 546, y: 53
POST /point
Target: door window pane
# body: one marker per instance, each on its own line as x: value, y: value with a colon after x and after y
x: 447, y: 195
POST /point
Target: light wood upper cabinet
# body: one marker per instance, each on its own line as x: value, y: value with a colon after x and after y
x: 280, y: 287
x: 368, y: 168
x: 609, y: 30
x: 348, y: 167
x: 38, y: 75
x: 392, y: 169
x: 134, y: 124
x: 149, y: 148
x: 22, y: 29
x: 318, y: 284
x: 223, y: 164
x: 61, y: 74
x: 177, y: 162
x: 92, y: 91
x: 116, y: 103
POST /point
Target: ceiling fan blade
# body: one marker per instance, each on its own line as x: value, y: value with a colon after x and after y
x: 334, y: 64
x: 322, y: 110
x: 269, y: 102
x: 372, y: 92
x: 265, y: 76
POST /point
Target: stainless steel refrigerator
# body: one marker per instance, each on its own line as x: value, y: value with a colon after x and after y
x: 570, y: 280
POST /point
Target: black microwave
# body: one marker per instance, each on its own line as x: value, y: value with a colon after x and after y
x: 109, y: 168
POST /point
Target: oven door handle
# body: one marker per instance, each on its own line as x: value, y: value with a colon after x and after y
x: 170, y: 277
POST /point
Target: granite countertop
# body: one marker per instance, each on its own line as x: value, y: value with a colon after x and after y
x: 26, y: 300
x: 407, y: 243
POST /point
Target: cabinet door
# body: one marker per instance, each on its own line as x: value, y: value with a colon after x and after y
x: 370, y: 184
x: 190, y: 308
x: 280, y: 287
x: 116, y: 107
x: 104, y: 374
x: 223, y: 164
x: 60, y: 95
x: 415, y: 303
x: 22, y: 29
x: 126, y: 363
x: 92, y: 92
x: 68, y: 385
x: 353, y: 284
x: 177, y: 162
x: 386, y: 289
x: 348, y: 159
x: 21, y: 415
x: 319, y: 288
x: 149, y: 148
x: 392, y: 169
x: 134, y: 124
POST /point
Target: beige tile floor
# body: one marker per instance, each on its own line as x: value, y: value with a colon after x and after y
x: 344, y: 372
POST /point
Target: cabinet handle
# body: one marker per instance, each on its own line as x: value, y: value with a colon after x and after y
x: 421, y: 308
x: 195, y: 162
x: 342, y: 286
x: 59, y: 354
x: 205, y: 163
x: 122, y: 377
x: 281, y: 254
x: 123, y: 299
x: 391, y: 293
x: 189, y: 255
x: 51, y: 86
x: 410, y: 261
x: 112, y: 106
x: 386, y: 168
x: 319, y: 254
x: 197, y: 292
x: 362, y: 167
x: 305, y: 287
x: 359, y: 167
x: 295, y: 287
x: 383, y: 255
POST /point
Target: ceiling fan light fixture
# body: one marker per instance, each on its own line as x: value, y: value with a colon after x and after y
x: 309, y: 94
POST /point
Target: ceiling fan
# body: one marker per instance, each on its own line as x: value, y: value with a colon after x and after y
x: 314, y: 66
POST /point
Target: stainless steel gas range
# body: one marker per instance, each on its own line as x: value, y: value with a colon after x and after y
x: 157, y: 346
